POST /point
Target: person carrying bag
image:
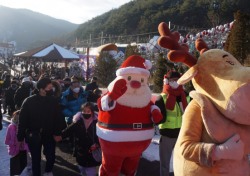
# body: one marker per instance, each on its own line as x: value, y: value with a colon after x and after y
x: 95, y: 149
x: 84, y: 127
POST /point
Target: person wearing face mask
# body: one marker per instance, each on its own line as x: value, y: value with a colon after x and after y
x: 84, y: 130
x: 9, y: 97
x: 71, y: 102
x: 72, y: 99
x: 172, y: 103
x: 40, y: 126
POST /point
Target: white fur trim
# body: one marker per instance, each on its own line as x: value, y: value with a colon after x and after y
x: 153, y: 107
x: 165, y: 81
x: 132, y: 70
x: 147, y: 64
x: 124, y: 136
x: 76, y: 117
x: 105, y: 103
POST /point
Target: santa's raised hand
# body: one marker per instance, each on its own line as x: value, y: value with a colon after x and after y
x: 118, y: 90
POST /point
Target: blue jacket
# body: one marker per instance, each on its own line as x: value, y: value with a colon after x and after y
x: 72, y: 105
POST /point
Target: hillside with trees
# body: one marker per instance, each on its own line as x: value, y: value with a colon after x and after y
x: 143, y: 17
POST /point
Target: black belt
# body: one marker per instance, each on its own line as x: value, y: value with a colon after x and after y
x: 131, y: 126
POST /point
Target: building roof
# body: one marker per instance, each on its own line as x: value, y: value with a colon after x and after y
x: 49, y: 53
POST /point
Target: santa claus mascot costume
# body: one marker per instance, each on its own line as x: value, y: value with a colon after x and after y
x: 126, y: 117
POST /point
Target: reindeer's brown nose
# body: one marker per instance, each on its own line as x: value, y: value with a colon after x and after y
x: 135, y: 84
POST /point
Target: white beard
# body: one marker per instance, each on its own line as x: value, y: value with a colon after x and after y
x: 136, y: 98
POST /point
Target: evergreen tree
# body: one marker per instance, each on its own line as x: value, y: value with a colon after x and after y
x: 238, y: 41
x: 105, y: 69
x: 131, y: 50
x: 162, y: 67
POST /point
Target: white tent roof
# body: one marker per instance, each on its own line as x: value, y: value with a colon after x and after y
x: 62, y: 51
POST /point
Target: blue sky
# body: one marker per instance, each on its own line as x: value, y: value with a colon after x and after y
x: 75, y: 11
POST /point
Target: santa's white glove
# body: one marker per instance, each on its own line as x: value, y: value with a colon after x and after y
x: 232, y: 149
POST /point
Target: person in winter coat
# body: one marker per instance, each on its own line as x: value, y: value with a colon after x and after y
x: 40, y: 125
x: 5, y: 86
x: 11, y: 140
x: 9, y: 97
x: 65, y: 84
x: 93, y: 85
x: 172, y: 103
x: 84, y: 129
x: 57, y: 90
x: 23, y: 92
x: 72, y: 99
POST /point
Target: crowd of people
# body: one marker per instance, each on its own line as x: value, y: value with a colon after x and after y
x: 42, y: 113
x: 46, y: 111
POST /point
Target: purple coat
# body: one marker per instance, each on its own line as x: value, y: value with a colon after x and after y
x: 12, y: 142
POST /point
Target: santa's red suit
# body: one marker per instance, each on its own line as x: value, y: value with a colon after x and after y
x: 125, y: 123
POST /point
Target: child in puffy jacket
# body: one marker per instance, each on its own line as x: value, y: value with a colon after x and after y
x: 11, y: 140
x: 84, y: 130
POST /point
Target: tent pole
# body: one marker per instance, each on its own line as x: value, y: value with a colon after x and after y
x: 65, y: 67
x: 87, y: 71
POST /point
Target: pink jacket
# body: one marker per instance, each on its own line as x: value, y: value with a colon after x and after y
x: 12, y: 142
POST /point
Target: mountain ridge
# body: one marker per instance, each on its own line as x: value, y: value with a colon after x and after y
x: 27, y: 27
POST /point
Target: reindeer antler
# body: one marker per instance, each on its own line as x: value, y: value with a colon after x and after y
x: 201, y: 45
x: 178, y: 53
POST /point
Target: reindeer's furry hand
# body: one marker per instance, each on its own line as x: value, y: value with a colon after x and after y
x: 232, y: 149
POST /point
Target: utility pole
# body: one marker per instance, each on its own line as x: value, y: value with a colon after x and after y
x: 89, y: 40
x: 216, y: 9
x: 87, y: 71
x: 101, y: 37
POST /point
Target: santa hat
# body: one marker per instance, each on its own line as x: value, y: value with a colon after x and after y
x: 171, y: 74
x: 134, y: 65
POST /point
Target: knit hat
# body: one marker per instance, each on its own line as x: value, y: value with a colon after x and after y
x: 171, y: 74
x: 42, y: 83
x: 134, y: 65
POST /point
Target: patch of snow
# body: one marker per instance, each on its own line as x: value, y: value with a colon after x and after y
x: 152, y: 152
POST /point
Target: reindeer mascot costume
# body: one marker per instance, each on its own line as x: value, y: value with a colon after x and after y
x: 215, y: 135
x: 126, y: 117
